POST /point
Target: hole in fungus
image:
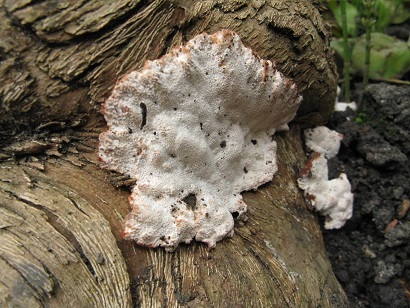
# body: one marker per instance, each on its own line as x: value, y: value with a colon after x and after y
x: 245, y: 170
x: 235, y: 215
x: 190, y: 201
x: 144, y: 114
x: 254, y: 142
x: 201, y: 125
x: 222, y: 144
x: 129, y: 130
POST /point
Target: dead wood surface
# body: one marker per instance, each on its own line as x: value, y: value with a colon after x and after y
x: 61, y: 215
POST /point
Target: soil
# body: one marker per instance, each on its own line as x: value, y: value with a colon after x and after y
x: 371, y: 253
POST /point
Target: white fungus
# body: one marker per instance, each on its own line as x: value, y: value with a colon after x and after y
x: 323, y: 140
x: 194, y: 129
x: 331, y: 198
x: 342, y: 106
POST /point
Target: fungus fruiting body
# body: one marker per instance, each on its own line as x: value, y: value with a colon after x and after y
x: 331, y: 198
x: 323, y: 140
x: 194, y: 129
x: 342, y: 106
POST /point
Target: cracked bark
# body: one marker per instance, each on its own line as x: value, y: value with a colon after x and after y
x: 61, y: 215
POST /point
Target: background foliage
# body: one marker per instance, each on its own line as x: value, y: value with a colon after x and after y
x: 389, y: 56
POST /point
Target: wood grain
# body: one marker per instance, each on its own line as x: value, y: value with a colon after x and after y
x: 61, y: 215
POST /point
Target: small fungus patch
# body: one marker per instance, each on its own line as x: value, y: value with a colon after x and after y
x: 194, y: 129
x: 331, y: 198
x: 323, y: 140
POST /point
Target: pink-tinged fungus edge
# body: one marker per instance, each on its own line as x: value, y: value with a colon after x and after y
x: 146, y: 224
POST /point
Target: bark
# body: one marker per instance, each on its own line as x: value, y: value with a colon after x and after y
x: 61, y: 215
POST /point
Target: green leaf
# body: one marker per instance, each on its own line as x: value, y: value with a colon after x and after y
x: 389, y: 57
x: 392, y: 12
x: 352, y: 15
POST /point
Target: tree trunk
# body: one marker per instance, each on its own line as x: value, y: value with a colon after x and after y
x: 61, y: 215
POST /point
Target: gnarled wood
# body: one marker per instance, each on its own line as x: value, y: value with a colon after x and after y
x: 61, y: 215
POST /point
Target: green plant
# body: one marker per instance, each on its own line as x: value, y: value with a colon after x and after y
x: 390, y: 12
x: 385, y: 12
x: 388, y: 56
x: 368, y: 21
x: 359, y: 40
x: 362, y: 118
x: 346, y: 51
